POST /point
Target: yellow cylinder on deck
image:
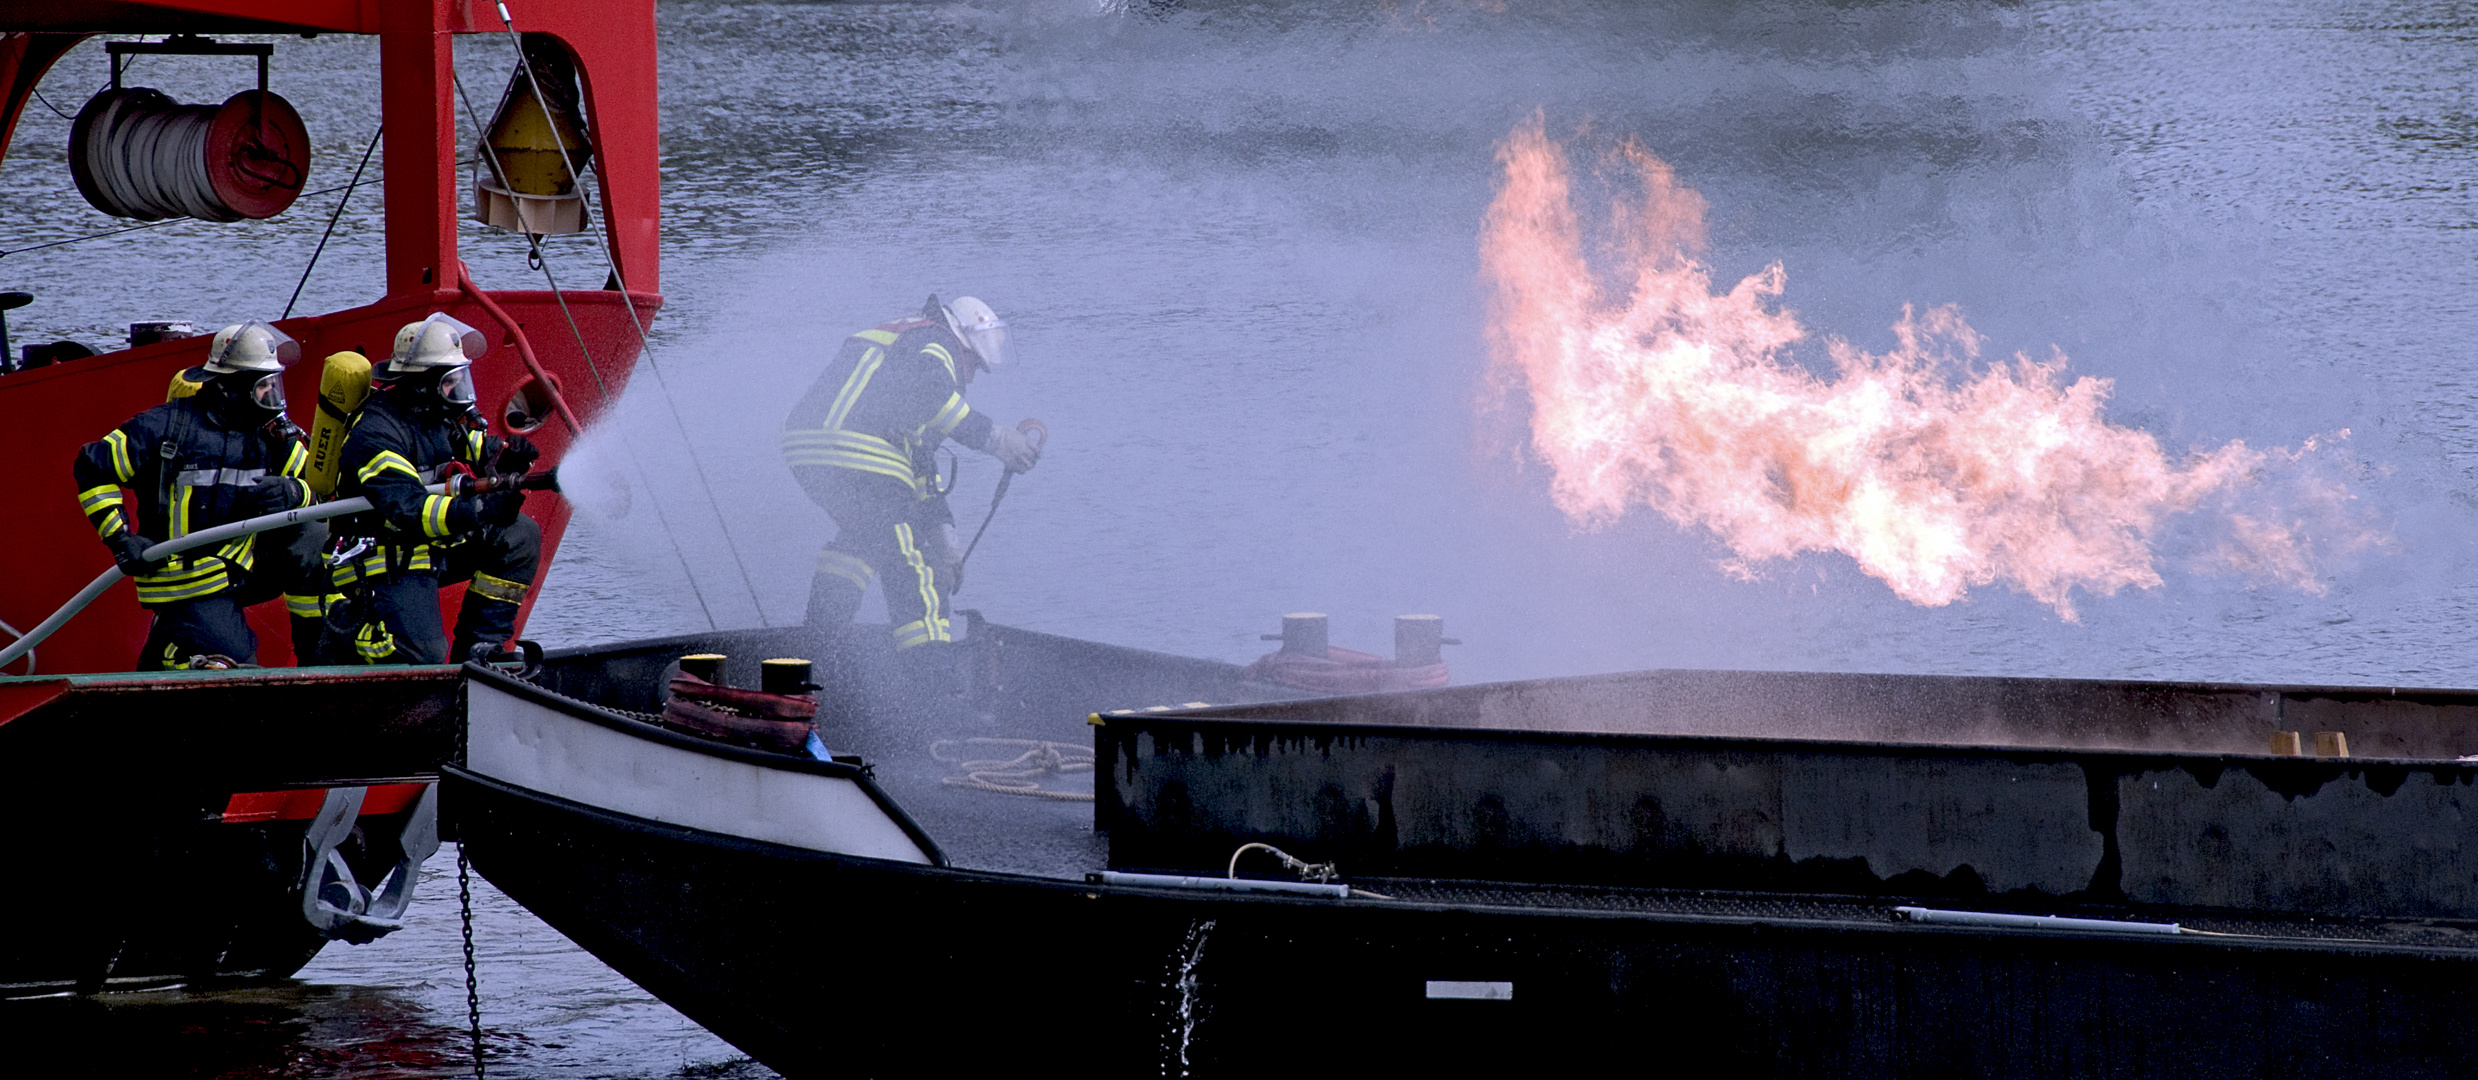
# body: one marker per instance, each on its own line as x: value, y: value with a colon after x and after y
x: 342, y: 387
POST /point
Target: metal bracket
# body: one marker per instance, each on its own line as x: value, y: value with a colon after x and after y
x: 336, y: 904
x: 190, y: 45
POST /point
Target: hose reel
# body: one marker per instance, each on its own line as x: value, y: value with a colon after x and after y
x: 136, y: 153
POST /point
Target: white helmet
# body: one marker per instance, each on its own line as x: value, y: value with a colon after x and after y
x: 251, y: 346
x: 981, y: 329
x: 438, y: 341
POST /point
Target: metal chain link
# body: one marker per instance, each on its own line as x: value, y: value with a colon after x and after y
x: 473, y: 985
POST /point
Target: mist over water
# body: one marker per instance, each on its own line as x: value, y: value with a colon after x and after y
x: 1238, y: 243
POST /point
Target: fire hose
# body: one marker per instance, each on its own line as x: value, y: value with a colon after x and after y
x: 1040, y: 435
x: 462, y: 485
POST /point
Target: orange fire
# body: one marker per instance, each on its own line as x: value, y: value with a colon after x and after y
x: 1933, y: 472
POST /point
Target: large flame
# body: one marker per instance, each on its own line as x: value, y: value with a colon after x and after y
x: 1934, y: 472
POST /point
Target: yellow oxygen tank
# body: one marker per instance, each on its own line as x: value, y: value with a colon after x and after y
x: 342, y: 387
x: 185, y: 382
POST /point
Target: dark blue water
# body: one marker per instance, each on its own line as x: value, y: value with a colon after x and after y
x: 1237, y: 242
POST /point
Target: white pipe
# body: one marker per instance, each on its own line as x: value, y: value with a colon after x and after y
x: 1999, y: 921
x: 177, y: 545
x: 1174, y: 881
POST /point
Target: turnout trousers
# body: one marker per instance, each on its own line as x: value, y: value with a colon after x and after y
x: 283, y: 562
x: 886, y: 534
x: 394, y: 618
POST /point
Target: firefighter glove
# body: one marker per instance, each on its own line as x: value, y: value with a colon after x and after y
x: 499, y: 508
x: 1013, y: 449
x: 517, y: 455
x: 129, y: 549
x: 276, y: 494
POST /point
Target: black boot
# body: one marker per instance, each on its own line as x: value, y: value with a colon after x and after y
x: 488, y: 616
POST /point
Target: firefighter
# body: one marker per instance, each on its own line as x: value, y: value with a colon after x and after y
x: 860, y: 445
x: 221, y: 454
x: 418, y: 427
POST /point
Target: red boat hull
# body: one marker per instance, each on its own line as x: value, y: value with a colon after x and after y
x: 51, y: 551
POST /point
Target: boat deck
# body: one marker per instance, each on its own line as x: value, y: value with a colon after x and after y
x: 1621, y: 796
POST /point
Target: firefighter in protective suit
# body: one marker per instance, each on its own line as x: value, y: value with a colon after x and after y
x: 860, y: 445
x: 219, y: 455
x: 418, y: 426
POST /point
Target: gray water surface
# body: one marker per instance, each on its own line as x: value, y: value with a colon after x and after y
x: 1237, y: 243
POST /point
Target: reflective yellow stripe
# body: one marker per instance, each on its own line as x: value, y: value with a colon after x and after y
x: 387, y: 460
x: 174, y: 573
x: 305, y: 607
x: 473, y: 447
x: 118, y: 443
x: 949, y: 415
x: 830, y: 439
x: 862, y: 464
x: 933, y: 627
x: 298, y: 461
x: 180, y: 509
x: 921, y: 632
x: 106, y: 500
x: 239, y: 552
x: 944, y: 357
x: 853, y: 384
x: 829, y: 448
x: 167, y: 591
x: 434, y: 514
x: 496, y: 588
x: 850, y: 568
x: 374, y: 565
x: 882, y: 337
x: 373, y: 641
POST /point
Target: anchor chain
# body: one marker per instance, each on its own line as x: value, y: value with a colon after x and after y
x: 473, y: 984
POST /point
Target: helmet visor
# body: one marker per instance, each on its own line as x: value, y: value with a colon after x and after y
x: 456, y: 386
x: 268, y: 392
x: 991, y: 343
x: 436, y: 341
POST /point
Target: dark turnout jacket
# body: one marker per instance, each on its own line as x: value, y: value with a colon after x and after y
x: 191, y: 469
x: 885, y: 403
x: 394, y: 453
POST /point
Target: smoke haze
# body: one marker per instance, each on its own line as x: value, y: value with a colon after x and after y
x: 1238, y: 242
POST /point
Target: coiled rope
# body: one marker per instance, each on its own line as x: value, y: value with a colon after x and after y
x: 1018, y: 775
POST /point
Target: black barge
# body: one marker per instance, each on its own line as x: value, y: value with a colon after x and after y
x: 1777, y: 874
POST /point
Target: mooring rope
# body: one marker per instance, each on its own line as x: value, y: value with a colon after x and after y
x: 321, y: 249
x: 1018, y: 775
x: 108, y: 233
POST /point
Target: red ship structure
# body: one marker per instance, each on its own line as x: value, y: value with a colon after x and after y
x: 197, y: 825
